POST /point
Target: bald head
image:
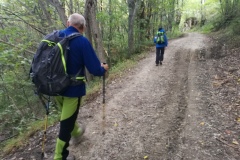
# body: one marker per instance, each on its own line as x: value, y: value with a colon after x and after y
x: 77, y: 20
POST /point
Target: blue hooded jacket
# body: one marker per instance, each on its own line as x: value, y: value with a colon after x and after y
x: 81, y: 55
x: 165, y: 40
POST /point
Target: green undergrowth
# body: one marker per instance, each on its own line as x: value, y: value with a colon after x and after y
x: 228, y: 35
x: 23, y: 137
x: 175, y: 34
x: 35, y: 126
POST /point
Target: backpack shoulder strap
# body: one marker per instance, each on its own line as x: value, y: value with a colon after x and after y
x: 73, y: 35
x: 69, y: 37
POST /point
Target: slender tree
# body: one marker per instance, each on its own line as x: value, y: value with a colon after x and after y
x: 91, y: 7
x: 132, y: 9
x: 60, y: 9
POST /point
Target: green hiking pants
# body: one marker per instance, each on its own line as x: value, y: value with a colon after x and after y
x: 68, y: 127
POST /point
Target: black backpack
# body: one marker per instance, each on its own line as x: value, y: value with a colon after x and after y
x: 160, y: 37
x: 49, y: 69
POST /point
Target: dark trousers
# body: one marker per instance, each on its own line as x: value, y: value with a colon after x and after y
x: 69, y: 111
x: 159, y: 54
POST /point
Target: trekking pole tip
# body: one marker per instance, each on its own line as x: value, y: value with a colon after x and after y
x: 44, y: 155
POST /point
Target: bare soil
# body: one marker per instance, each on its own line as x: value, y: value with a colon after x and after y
x: 186, y: 109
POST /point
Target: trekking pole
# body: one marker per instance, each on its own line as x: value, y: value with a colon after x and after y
x: 44, y: 155
x: 103, y: 107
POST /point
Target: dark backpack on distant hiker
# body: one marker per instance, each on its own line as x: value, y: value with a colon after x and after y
x: 160, y: 37
x: 49, y: 66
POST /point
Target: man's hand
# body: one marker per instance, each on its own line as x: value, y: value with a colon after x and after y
x: 105, y: 66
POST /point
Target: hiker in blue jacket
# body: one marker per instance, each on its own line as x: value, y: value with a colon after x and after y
x: 160, y: 46
x: 81, y: 55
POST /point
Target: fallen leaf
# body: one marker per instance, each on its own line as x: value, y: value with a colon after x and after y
x: 202, y: 123
x: 217, y: 77
x: 228, y: 132
x: 145, y: 157
x: 115, y: 124
x: 238, y: 119
x: 235, y: 142
x: 201, y: 142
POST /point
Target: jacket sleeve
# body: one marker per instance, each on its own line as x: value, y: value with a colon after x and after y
x: 166, y: 40
x: 91, y: 60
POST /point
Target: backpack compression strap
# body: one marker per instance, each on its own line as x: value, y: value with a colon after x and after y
x: 50, y: 43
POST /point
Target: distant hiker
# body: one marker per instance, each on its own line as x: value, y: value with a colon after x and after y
x: 81, y: 55
x: 161, y: 42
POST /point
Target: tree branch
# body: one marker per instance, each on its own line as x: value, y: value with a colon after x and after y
x: 1, y: 41
x: 25, y: 21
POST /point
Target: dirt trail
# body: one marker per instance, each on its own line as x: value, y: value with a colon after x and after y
x: 160, y: 112
x: 156, y: 112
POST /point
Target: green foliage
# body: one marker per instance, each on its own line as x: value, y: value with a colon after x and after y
x: 175, y: 33
x: 114, y: 27
x: 234, y: 27
x: 207, y: 28
x: 229, y: 13
x: 27, y: 131
x: 18, y: 104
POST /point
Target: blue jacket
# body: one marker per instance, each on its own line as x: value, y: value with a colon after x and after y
x: 165, y: 40
x: 81, y: 55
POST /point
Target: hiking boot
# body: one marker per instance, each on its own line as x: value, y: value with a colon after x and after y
x: 157, y: 64
x: 71, y: 157
x: 160, y: 62
x: 76, y: 140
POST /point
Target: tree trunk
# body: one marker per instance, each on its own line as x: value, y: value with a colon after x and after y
x: 47, y: 14
x: 110, y: 31
x: 87, y: 17
x: 203, y: 18
x: 70, y: 7
x: 60, y: 9
x: 142, y: 23
x: 132, y: 8
x: 93, y: 31
x: 171, y: 14
x: 88, y: 34
x: 162, y: 13
x: 91, y: 6
x: 148, y: 20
